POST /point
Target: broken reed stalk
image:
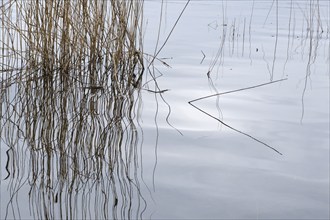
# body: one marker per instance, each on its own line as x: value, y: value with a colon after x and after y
x: 227, y: 125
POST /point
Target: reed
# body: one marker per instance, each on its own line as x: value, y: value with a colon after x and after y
x: 85, y: 43
x: 71, y: 75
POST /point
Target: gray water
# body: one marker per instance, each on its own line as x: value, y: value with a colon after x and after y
x: 195, y: 167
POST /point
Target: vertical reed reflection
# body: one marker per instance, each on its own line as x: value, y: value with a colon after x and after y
x: 79, y: 147
x: 70, y: 91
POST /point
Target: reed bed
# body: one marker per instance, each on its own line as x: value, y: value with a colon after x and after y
x: 71, y: 75
x: 89, y: 43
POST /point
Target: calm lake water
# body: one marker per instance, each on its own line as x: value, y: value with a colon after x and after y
x: 190, y: 166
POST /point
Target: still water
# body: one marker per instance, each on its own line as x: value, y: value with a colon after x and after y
x: 185, y: 163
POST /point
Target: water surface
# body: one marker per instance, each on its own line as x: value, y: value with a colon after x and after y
x: 191, y: 166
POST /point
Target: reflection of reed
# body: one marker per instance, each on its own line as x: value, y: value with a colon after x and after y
x: 80, y: 149
x: 305, y: 16
x: 69, y: 102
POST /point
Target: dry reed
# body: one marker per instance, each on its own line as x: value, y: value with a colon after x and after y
x: 71, y: 74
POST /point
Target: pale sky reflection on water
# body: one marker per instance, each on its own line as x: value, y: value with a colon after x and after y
x: 211, y: 171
